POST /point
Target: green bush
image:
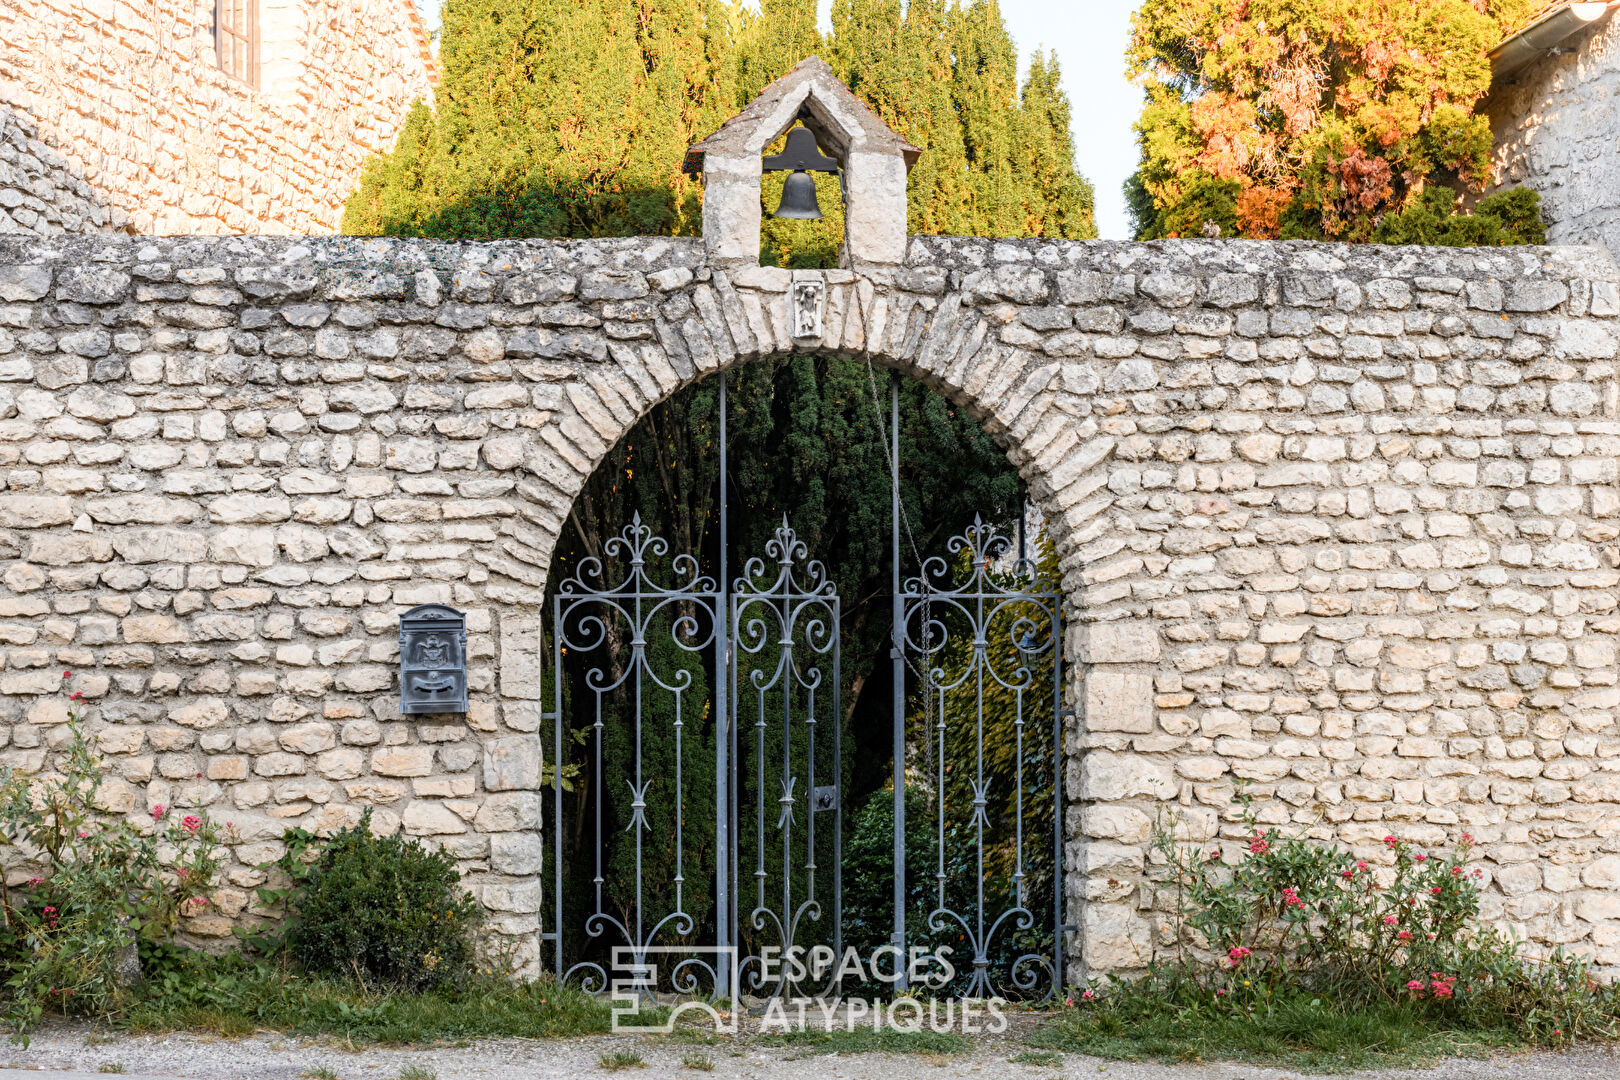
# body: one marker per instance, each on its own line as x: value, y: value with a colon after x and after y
x: 1500, y: 220
x: 67, y: 936
x: 384, y: 909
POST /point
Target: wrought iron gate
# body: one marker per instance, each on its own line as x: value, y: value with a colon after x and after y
x: 976, y: 655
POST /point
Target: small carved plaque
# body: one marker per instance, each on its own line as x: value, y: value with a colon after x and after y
x: 432, y: 660
x: 805, y: 299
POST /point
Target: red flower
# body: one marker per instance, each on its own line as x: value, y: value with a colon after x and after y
x: 1360, y: 865
x: 1436, y: 890
x: 1258, y: 846
x: 1389, y: 920
x: 1390, y: 840
x: 76, y: 695
x: 1420, y: 857
x: 1404, y: 935
x: 191, y: 823
x: 67, y: 674
x: 158, y: 811
x: 1237, y: 954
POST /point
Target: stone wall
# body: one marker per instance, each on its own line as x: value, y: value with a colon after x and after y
x: 114, y: 115
x: 1555, y: 124
x: 1339, y: 522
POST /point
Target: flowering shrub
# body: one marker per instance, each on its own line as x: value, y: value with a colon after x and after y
x: 67, y: 935
x: 1295, y: 915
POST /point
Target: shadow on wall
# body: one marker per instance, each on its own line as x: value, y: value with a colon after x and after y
x: 39, y: 192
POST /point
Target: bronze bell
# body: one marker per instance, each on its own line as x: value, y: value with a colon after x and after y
x: 802, y: 156
x: 799, y: 198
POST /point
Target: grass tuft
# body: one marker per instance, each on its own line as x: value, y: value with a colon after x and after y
x: 621, y: 1059
x: 1302, y: 1033
x: 110, y: 1067
x: 700, y: 1062
x: 1037, y: 1057
x: 319, y: 1072
x: 416, y: 1072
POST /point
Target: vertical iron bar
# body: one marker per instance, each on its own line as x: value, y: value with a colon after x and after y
x: 556, y: 780
x: 1057, y: 796
x: 838, y: 779
x: 723, y: 912
x: 897, y: 651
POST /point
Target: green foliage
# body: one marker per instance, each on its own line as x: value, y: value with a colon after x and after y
x: 1317, y: 121
x: 384, y: 909
x: 1505, y: 218
x: 572, y: 117
x: 104, y: 883
x: 233, y: 995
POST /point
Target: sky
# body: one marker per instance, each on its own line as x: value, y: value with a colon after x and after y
x: 1089, y: 38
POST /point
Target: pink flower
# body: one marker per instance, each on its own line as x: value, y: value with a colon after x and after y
x: 191, y: 823
x: 1237, y: 954
x: 76, y: 695
x: 158, y: 811
x: 1416, y: 986
x: 1389, y: 920
x: 35, y: 880
x: 1436, y: 890
x: 1467, y: 839
x: 1420, y: 857
x: 1390, y: 840
x: 1258, y: 846
x: 1220, y: 993
x: 1291, y: 898
x: 67, y: 674
x: 1360, y: 865
x: 1404, y: 935
x: 1087, y: 996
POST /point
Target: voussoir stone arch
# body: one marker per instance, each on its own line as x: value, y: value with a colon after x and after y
x: 1342, y: 523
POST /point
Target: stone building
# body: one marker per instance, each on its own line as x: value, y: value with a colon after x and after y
x: 1556, y: 120
x: 172, y: 117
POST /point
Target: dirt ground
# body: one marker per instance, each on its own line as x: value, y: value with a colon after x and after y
x: 76, y: 1052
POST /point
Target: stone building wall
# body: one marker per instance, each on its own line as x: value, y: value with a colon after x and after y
x: 1340, y: 522
x: 1554, y: 125
x: 115, y: 117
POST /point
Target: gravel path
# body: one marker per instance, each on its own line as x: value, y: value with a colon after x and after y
x: 74, y: 1052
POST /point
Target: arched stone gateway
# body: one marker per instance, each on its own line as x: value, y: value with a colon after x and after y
x: 1339, y: 521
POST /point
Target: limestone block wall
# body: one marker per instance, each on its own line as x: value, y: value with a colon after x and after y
x: 114, y: 115
x: 1339, y: 522
x: 1554, y: 125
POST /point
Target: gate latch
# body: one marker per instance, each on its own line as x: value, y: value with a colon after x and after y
x: 824, y: 798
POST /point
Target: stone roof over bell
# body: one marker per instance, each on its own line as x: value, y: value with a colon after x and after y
x: 840, y: 120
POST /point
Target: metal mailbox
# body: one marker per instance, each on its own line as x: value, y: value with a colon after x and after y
x: 432, y: 660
